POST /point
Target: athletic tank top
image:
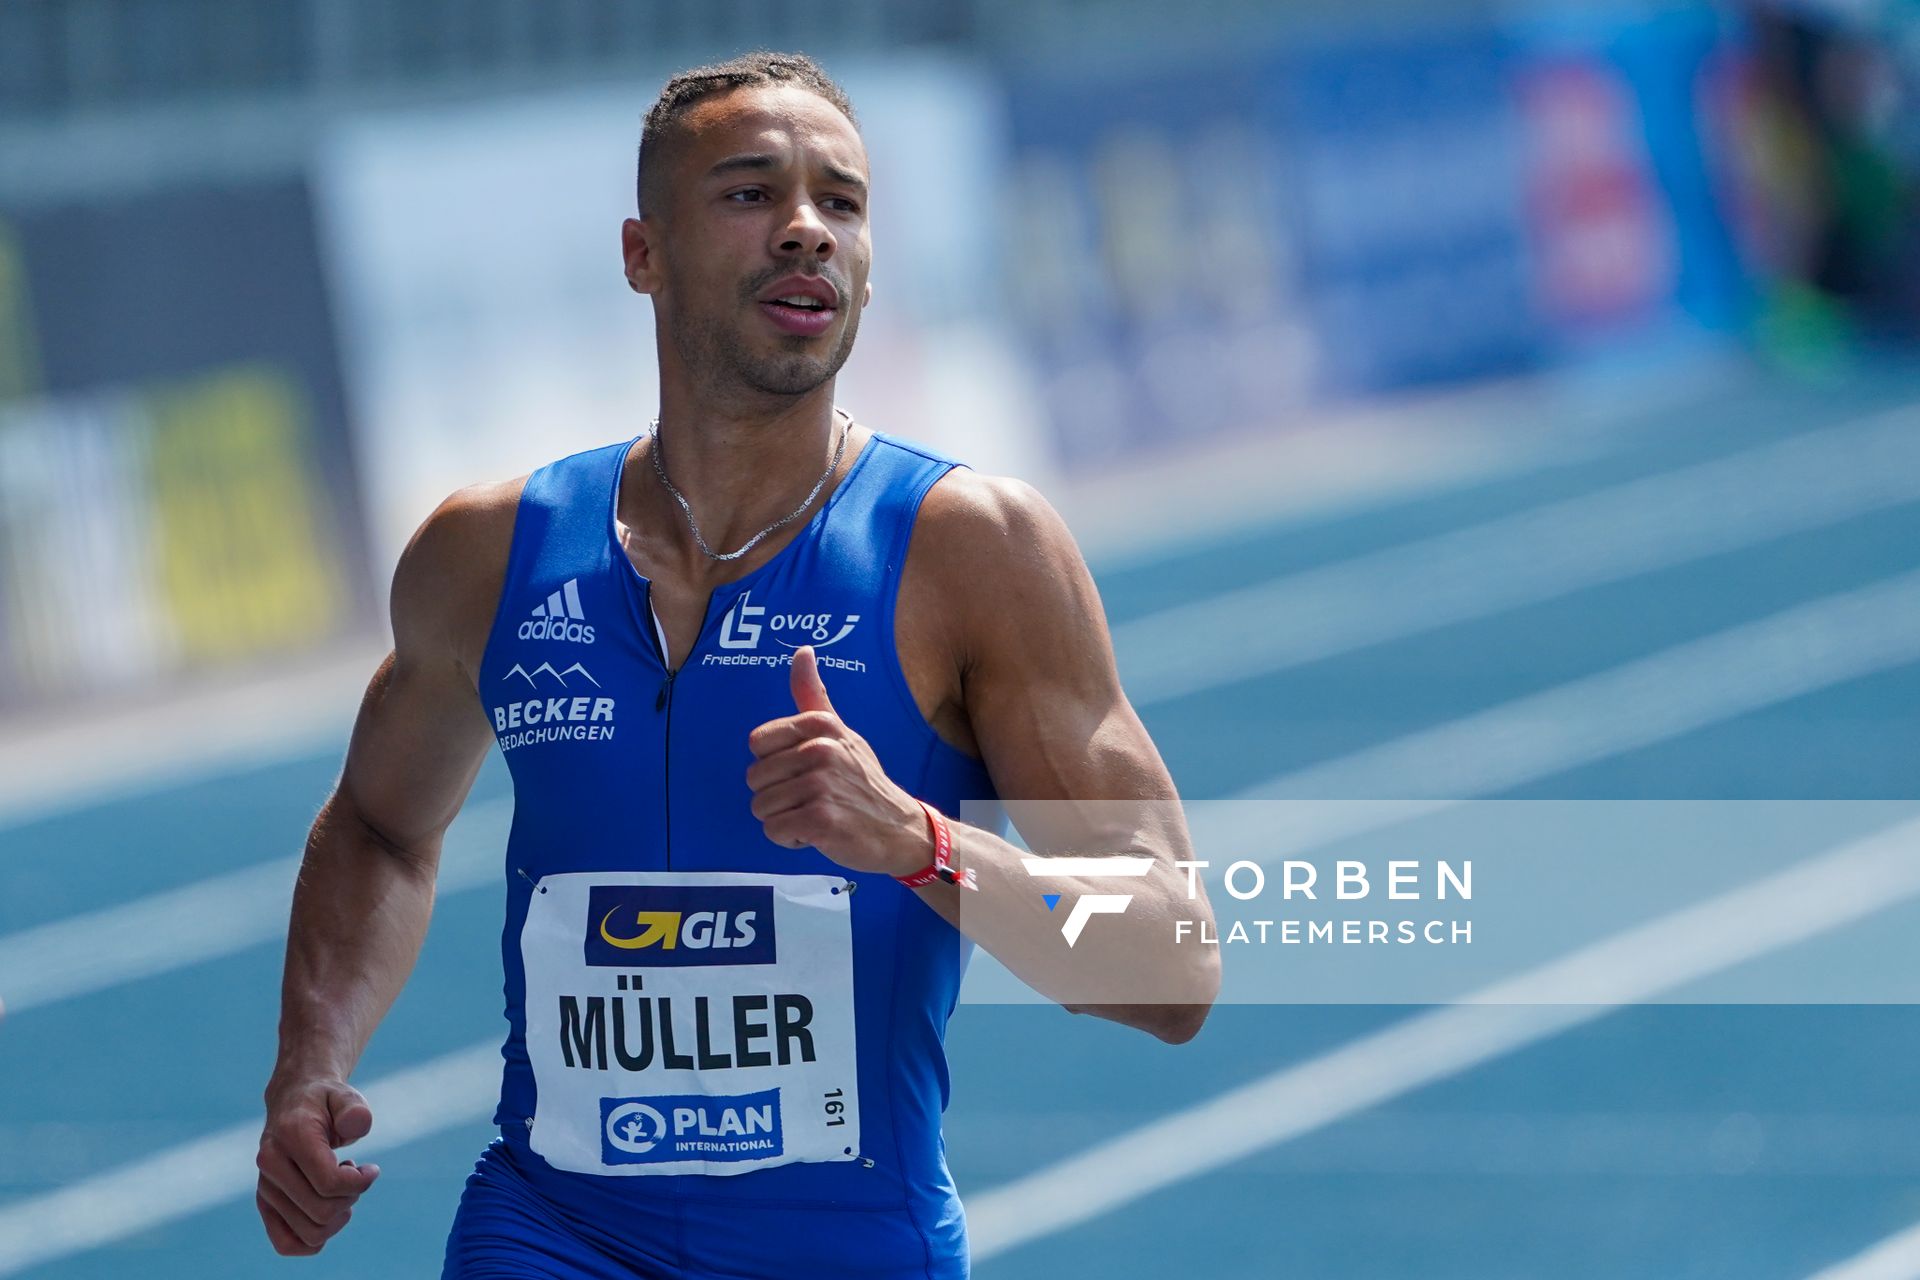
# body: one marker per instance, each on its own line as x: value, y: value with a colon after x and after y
x: 701, y: 1022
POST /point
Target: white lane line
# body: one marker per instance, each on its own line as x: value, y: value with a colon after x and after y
x: 79, y: 955
x: 52, y: 764
x: 415, y: 1103
x: 1692, y: 685
x: 1798, y: 484
x: 1814, y: 897
x: 1795, y: 484
x: 1654, y: 699
x: 1364, y: 457
x: 1895, y: 1258
x: 1842, y: 655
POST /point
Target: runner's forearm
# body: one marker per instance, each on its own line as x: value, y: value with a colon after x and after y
x: 360, y: 912
x: 1129, y: 966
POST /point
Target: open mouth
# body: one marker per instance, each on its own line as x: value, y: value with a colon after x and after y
x: 801, y: 302
x: 800, y: 314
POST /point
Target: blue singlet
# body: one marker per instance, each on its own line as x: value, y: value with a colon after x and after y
x: 723, y: 1057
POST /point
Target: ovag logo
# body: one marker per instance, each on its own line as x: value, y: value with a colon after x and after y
x: 742, y: 626
x: 631, y: 926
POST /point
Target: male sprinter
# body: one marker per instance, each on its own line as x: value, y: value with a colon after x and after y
x: 733, y: 930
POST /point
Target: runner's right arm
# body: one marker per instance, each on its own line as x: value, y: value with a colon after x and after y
x: 365, y: 890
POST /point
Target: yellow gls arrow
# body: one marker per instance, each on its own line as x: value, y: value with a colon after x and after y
x: 661, y: 926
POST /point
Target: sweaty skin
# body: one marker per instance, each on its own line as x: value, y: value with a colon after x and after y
x: 1000, y: 632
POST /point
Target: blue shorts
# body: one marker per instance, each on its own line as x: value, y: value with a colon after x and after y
x: 506, y: 1227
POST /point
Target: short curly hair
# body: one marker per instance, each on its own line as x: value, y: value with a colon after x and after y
x: 749, y: 70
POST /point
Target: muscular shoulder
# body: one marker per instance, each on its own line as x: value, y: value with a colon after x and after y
x: 447, y: 583
x: 1003, y: 562
x: 968, y: 517
x: 1032, y: 658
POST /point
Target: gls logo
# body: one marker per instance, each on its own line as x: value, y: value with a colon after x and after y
x: 1087, y: 905
x: 740, y: 629
x: 663, y: 929
x: 679, y: 925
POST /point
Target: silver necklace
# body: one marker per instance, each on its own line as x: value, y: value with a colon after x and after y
x: 661, y: 471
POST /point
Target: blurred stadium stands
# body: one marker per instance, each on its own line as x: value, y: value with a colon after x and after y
x: 274, y: 277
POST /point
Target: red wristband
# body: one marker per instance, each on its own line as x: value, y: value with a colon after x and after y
x: 941, y: 868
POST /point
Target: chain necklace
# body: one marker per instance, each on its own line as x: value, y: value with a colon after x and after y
x: 711, y: 554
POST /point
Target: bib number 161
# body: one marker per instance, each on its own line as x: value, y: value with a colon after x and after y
x: 836, y: 1107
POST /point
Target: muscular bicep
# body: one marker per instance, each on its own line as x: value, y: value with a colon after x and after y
x: 421, y: 734
x: 420, y: 739
x: 1041, y: 690
x: 1073, y: 764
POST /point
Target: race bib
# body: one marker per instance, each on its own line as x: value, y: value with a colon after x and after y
x: 690, y: 1022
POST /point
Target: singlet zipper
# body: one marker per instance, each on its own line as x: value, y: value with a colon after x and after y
x: 663, y: 701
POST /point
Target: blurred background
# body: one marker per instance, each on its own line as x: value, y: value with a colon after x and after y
x: 1415, y: 375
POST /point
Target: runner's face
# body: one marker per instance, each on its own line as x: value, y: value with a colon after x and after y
x: 767, y: 185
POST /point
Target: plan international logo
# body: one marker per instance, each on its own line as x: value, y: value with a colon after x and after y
x: 654, y: 1130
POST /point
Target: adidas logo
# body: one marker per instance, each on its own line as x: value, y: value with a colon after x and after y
x: 559, y: 617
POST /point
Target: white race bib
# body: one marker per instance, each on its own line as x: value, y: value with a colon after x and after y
x: 690, y: 1022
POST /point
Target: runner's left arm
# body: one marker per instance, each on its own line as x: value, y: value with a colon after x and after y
x: 1078, y: 771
